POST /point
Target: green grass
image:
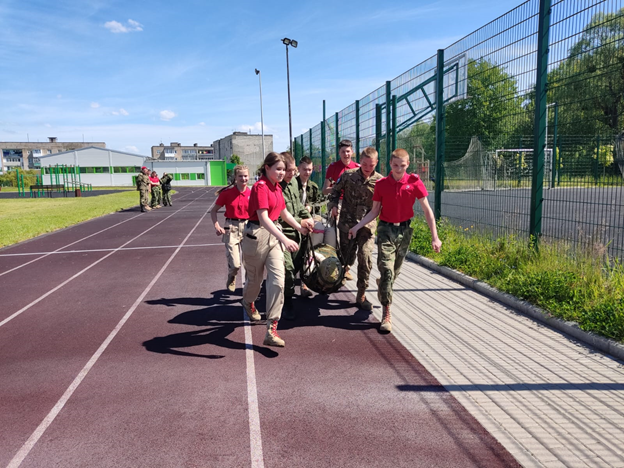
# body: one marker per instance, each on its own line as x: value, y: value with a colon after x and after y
x: 22, y: 219
x: 571, y: 285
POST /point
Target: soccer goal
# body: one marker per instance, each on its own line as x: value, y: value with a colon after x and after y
x: 474, y: 171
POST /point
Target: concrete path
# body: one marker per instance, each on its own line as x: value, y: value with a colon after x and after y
x: 548, y: 399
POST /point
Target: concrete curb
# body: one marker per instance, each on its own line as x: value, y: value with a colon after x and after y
x: 606, y: 345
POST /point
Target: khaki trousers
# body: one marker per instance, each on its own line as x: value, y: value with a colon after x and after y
x: 232, y: 239
x: 262, y: 250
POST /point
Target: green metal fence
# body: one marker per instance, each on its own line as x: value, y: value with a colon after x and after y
x: 527, y: 140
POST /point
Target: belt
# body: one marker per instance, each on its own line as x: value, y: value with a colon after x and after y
x: 257, y: 223
x: 235, y: 219
x: 402, y: 223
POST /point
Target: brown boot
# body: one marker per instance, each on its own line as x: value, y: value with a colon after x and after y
x: 231, y: 283
x: 386, y: 320
x: 348, y: 276
x: 362, y: 302
x: 272, y: 338
x: 147, y: 208
x: 250, y: 310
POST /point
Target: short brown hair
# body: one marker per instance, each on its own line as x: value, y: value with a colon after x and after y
x: 399, y: 153
x: 271, y: 160
x: 288, y: 158
x: 345, y: 143
x: 305, y: 160
x: 369, y: 152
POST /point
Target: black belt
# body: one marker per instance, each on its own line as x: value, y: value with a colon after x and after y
x: 257, y: 223
x: 402, y: 223
x: 234, y: 219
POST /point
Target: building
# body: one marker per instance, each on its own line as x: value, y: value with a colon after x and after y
x: 176, y: 152
x: 26, y: 155
x: 102, y: 167
x: 247, y: 147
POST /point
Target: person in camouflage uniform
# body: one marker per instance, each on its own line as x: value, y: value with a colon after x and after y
x: 310, y: 193
x: 144, y: 187
x: 156, y: 192
x: 357, y: 187
x: 293, y: 261
x: 165, y: 181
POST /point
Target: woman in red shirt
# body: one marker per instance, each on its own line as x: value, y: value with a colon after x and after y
x: 235, y: 198
x: 263, y: 244
x: 156, y: 193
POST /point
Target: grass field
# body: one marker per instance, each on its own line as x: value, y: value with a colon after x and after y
x: 22, y: 219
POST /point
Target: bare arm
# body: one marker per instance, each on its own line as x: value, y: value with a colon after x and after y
x: 213, y: 216
x: 372, y: 214
x: 265, y: 222
x: 327, y: 187
x: 436, y: 244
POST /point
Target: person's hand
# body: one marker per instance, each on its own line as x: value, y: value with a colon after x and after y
x: 353, y: 232
x: 334, y: 212
x: 291, y: 245
x: 303, y: 230
x: 219, y: 229
x: 307, y: 223
x: 309, y: 208
x: 436, y: 244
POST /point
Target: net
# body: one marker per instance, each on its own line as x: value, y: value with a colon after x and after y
x: 473, y: 171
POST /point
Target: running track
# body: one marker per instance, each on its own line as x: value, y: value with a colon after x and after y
x: 119, y: 347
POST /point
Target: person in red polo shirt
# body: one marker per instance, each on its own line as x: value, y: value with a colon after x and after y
x: 335, y: 169
x: 393, y: 202
x: 235, y: 198
x: 262, y: 247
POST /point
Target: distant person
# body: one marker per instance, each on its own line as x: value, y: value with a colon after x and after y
x: 310, y: 193
x: 393, y: 202
x: 335, y: 169
x: 357, y: 186
x: 144, y: 187
x: 263, y: 245
x: 156, y: 193
x: 165, y: 185
x: 235, y: 198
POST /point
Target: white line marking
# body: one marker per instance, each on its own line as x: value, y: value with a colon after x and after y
x: 36, y: 301
x: 49, y: 419
x: 255, y: 434
x: 109, y: 250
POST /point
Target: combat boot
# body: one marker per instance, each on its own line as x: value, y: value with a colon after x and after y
x: 272, y: 338
x: 146, y: 208
x: 250, y: 310
x: 386, y: 320
x: 348, y: 276
x: 231, y: 283
x: 362, y: 302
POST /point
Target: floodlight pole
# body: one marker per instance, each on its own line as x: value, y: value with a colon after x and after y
x: 261, y: 115
x: 288, y: 42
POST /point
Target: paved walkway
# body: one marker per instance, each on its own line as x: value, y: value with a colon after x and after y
x: 549, y: 400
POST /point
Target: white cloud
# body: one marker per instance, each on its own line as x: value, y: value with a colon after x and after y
x: 255, y: 128
x: 123, y: 112
x: 167, y: 115
x: 116, y: 27
x: 94, y: 105
x: 47, y: 125
x: 202, y: 123
x: 131, y: 149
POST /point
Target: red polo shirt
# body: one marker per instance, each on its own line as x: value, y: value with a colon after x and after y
x: 266, y: 196
x: 335, y: 169
x: 236, y: 202
x: 398, y: 197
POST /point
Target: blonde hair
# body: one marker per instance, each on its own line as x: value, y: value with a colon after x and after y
x: 399, y: 153
x: 288, y: 158
x: 369, y: 152
x: 238, y: 168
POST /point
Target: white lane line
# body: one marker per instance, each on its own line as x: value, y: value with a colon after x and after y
x: 36, y: 301
x: 69, y: 245
x: 255, y: 435
x: 109, y: 250
x: 49, y: 419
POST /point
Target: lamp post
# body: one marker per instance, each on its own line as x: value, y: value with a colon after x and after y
x: 293, y: 43
x: 261, y: 116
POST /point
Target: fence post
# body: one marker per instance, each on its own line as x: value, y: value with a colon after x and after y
x: 596, y: 159
x: 394, y: 122
x: 440, y: 136
x: 310, y: 143
x: 357, y: 130
x: 539, y: 136
x: 388, y: 125
x: 378, y: 134
x: 323, y: 147
x: 555, y: 152
x: 337, y: 135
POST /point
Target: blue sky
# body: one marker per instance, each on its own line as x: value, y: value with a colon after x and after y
x: 133, y: 74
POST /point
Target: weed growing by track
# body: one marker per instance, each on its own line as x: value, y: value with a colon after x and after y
x: 572, y: 285
x: 22, y: 219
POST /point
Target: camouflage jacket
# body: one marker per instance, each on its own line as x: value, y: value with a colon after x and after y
x: 357, y: 197
x: 143, y: 182
x: 314, y: 196
x: 294, y: 207
x: 164, y: 180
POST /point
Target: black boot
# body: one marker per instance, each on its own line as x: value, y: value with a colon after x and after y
x: 288, y: 311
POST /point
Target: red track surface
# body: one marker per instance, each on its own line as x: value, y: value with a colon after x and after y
x: 171, y: 387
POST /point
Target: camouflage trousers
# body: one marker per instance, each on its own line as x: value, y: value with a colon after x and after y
x: 362, y: 248
x: 156, y: 196
x: 393, y: 243
x: 166, y: 196
x: 144, y: 197
x: 293, y: 261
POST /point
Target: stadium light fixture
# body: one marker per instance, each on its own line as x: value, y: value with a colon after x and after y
x: 261, y: 115
x: 289, y: 42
